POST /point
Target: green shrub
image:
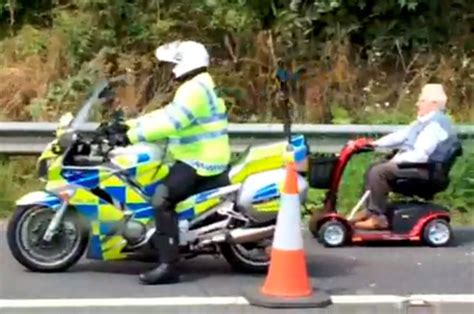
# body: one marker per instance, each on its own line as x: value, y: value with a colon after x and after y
x: 18, y: 178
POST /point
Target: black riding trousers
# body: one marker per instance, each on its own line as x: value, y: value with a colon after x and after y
x: 181, y: 183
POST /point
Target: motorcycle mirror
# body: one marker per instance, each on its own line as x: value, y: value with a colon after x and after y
x: 300, y: 71
x: 66, y: 139
x: 285, y: 75
x: 65, y: 120
x: 282, y: 75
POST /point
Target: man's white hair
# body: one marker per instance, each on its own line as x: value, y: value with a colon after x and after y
x: 434, y: 92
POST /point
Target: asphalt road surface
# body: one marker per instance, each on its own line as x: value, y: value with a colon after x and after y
x: 399, y: 269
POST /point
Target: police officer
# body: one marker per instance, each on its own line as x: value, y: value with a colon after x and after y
x: 195, y: 124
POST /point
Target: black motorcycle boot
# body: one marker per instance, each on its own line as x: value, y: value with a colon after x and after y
x: 166, y: 272
x: 166, y: 241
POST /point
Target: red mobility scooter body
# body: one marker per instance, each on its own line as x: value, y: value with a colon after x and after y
x: 413, y: 220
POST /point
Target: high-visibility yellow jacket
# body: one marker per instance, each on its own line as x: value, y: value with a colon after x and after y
x: 195, y: 123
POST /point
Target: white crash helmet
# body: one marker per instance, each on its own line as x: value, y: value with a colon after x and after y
x: 187, y: 55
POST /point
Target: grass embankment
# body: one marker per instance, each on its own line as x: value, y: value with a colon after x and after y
x: 19, y: 177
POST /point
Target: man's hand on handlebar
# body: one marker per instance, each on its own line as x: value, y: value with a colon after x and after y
x: 364, y: 143
x: 115, y: 133
x: 119, y: 139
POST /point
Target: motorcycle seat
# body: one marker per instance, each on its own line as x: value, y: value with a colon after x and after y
x: 218, y: 181
x: 257, y: 158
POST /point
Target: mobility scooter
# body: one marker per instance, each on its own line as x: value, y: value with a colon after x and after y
x: 409, y: 219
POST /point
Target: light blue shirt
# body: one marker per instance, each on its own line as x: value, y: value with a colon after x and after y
x: 425, y: 144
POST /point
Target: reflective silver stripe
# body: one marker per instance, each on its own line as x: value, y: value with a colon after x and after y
x: 196, y: 138
x: 193, y: 120
x: 177, y: 125
x: 211, y: 97
x: 214, y: 118
x: 140, y: 132
x: 205, y: 166
x: 183, y: 110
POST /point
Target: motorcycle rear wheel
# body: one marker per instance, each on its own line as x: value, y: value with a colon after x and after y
x: 241, y: 260
x: 24, y: 236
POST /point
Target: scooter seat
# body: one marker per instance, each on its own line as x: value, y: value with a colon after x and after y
x: 423, y: 188
x: 438, y: 176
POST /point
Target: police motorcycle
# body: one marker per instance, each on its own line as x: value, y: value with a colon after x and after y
x: 97, y: 200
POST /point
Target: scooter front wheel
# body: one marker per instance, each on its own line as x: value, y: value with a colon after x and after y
x: 25, y: 239
x: 333, y: 234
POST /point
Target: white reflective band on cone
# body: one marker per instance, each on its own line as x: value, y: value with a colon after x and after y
x: 288, y: 231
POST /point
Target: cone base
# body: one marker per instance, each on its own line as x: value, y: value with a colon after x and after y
x: 287, y: 275
x: 317, y: 299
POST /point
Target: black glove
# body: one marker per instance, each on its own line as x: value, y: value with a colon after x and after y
x: 117, y: 134
x: 118, y: 139
x: 120, y: 128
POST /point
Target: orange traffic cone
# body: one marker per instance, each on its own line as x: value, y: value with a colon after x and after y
x: 287, y: 283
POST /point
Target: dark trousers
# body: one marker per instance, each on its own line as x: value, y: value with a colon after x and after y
x: 378, y: 178
x: 181, y: 183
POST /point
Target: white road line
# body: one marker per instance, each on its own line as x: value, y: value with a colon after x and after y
x: 444, y: 298
x: 233, y: 300
x: 412, y: 299
x: 366, y: 299
x: 115, y: 302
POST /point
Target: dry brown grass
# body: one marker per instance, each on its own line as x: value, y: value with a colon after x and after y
x: 26, y: 75
x: 19, y: 84
x: 334, y: 79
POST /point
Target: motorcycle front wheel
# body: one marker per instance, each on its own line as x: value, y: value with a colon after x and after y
x: 25, y: 239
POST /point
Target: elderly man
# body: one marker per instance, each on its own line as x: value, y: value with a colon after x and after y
x: 428, y: 138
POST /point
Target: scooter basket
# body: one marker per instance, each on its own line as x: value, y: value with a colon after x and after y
x: 320, y: 169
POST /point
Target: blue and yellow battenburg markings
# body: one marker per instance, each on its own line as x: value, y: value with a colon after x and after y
x: 267, y: 199
x: 105, y: 218
x: 266, y: 193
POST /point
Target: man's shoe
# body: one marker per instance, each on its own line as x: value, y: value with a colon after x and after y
x: 375, y: 222
x: 360, y: 216
x: 163, y: 274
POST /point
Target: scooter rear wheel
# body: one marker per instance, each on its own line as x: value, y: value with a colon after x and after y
x: 437, y: 233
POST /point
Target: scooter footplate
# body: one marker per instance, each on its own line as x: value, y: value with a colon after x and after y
x: 377, y: 235
x: 362, y: 231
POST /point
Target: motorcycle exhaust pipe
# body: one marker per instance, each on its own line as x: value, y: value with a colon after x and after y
x: 242, y: 235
